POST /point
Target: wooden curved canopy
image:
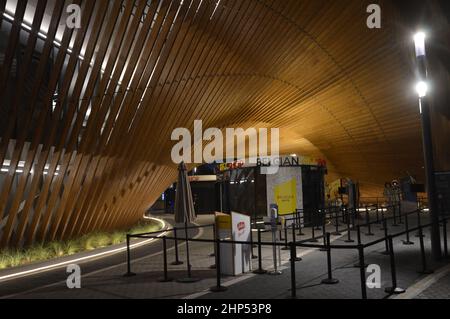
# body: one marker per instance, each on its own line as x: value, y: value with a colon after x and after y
x: 87, y: 114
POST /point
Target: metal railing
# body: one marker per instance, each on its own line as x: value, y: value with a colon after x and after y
x: 382, y: 219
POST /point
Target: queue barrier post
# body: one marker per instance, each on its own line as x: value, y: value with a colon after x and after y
x: 177, y: 258
x: 445, y: 238
x: 349, y: 235
x: 293, y: 281
x: 407, y: 241
x: 260, y: 270
x: 324, y: 235
x: 369, y: 226
x: 286, y: 247
x: 129, y: 273
x: 330, y: 280
x: 423, y: 257
x: 337, y: 232
x: 419, y: 223
x: 218, y: 287
x: 394, y: 289
x: 386, y: 241
x: 166, y: 275
x: 362, y: 271
x: 294, y: 240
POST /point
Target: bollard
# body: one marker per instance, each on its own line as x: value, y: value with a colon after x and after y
x: 362, y: 271
x: 407, y: 241
x: 445, y: 239
x: 295, y: 247
x: 218, y: 287
x: 129, y: 273
x: 177, y: 260
x: 377, y: 214
x: 330, y: 280
x: 189, y: 278
x: 425, y: 269
x: 316, y: 219
x: 382, y: 218
x: 400, y: 214
x: 358, y: 230
x: 166, y: 277
x: 214, y: 236
x: 369, y: 226
x: 337, y: 232
x: 260, y: 270
x: 252, y: 244
x: 386, y: 241
x: 293, y: 283
x: 419, y: 223
x: 324, y: 236
x: 349, y: 236
x: 286, y: 247
x: 394, y: 289
x: 313, y: 232
x: 299, y: 225
x: 395, y: 216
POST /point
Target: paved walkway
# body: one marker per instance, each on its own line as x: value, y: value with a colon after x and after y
x: 108, y: 282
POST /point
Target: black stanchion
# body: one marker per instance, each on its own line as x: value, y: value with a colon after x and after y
x: 386, y: 241
x: 445, y: 238
x: 358, y: 231
x: 293, y: 281
x: 189, y: 278
x: 215, y: 237
x: 362, y: 271
x: 177, y: 260
x: 252, y: 244
x: 299, y: 224
x: 394, y: 216
x: 394, y: 289
x: 330, y: 280
x: 313, y: 234
x: 349, y: 235
x: 425, y: 269
x: 286, y: 247
x: 218, y: 287
x: 377, y: 214
x: 419, y: 223
x: 129, y: 273
x: 260, y: 270
x: 295, y: 247
x: 317, y: 216
x: 336, y: 225
x: 324, y: 236
x: 400, y: 214
x: 369, y: 226
x: 407, y: 241
x: 166, y: 277
x: 383, y: 219
x: 353, y: 215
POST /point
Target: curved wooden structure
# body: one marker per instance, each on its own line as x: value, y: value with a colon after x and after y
x: 87, y: 113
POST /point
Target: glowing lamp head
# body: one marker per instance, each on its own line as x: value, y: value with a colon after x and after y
x: 419, y: 42
x: 422, y: 89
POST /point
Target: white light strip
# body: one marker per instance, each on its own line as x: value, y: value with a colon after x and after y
x: 44, y: 37
x: 57, y: 265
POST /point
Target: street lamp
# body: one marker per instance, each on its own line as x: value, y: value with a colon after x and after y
x: 422, y: 92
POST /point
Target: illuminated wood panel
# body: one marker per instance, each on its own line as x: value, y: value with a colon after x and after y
x: 87, y: 113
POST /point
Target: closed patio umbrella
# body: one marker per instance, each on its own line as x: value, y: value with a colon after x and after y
x: 184, y: 211
x: 184, y: 204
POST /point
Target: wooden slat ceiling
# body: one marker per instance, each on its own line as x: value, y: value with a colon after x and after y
x: 91, y: 110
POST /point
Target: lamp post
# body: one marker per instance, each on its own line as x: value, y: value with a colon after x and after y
x: 422, y: 90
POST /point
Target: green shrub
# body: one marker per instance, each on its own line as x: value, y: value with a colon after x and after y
x: 39, y: 252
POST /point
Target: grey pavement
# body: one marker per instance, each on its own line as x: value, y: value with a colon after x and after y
x: 108, y: 282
